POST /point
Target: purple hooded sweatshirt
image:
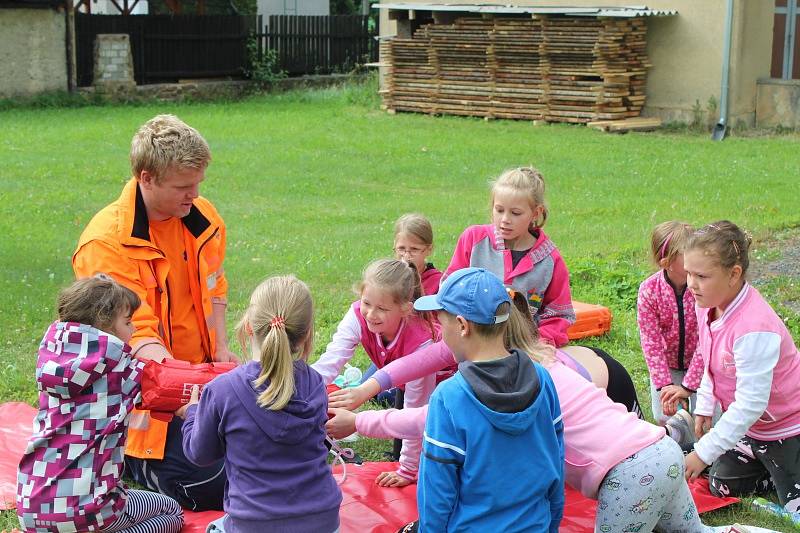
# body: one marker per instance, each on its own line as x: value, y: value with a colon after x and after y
x: 278, y: 477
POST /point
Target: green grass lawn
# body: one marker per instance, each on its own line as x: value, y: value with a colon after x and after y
x: 311, y: 182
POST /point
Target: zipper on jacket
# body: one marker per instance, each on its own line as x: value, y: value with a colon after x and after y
x: 681, y: 322
x: 201, y: 281
x: 169, y: 315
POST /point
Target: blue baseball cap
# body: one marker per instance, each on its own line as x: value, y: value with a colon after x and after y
x: 474, y: 293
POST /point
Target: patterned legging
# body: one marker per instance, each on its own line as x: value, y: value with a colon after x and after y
x: 647, y: 491
x: 148, y: 512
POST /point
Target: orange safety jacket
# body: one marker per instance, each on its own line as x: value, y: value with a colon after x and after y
x: 117, y: 242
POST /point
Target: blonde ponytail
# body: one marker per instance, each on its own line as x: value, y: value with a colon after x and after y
x: 522, y: 332
x: 280, y: 318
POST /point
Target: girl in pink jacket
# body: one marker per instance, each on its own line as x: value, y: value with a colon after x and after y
x: 383, y: 322
x: 668, y: 324
x: 515, y: 248
x: 413, y: 242
x: 752, y: 368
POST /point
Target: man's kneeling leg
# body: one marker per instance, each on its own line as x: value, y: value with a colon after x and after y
x: 196, y: 488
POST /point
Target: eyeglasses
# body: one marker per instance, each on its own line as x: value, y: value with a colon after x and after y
x: 412, y: 251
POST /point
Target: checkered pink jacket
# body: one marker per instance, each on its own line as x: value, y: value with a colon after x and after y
x: 69, y: 477
x: 668, y: 331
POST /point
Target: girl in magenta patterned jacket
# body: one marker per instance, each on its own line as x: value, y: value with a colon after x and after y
x: 70, y: 476
x: 515, y: 248
x: 384, y: 323
x: 668, y: 323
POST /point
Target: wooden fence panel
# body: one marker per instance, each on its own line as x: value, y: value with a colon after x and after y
x: 320, y: 44
x: 170, y: 47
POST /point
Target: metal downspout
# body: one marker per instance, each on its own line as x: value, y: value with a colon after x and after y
x: 720, y: 130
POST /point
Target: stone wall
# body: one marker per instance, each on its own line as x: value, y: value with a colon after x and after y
x: 210, y: 90
x: 778, y: 103
x: 33, y: 55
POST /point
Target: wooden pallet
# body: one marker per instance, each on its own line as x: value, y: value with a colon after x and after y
x: 629, y: 124
x: 544, y: 68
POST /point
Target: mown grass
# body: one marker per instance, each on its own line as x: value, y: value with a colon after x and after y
x: 311, y: 182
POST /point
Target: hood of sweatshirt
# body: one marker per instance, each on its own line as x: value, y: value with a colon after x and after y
x: 305, y: 412
x: 505, y: 391
x: 73, y: 357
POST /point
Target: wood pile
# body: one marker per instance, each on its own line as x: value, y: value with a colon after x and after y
x: 560, y: 69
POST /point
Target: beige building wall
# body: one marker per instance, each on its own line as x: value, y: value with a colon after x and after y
x: 32, y: 51
x: 686, y: 53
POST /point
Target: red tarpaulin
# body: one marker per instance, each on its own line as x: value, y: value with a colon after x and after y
x: 366, y: 507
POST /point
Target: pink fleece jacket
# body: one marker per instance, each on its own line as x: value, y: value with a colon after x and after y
x: 541, y: 274
x: 431, y: 277
x: 752, y: 368
x: 598, y: 433
x: 668, y: 332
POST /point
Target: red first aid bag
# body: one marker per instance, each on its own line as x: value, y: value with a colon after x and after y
x: 167, y: 386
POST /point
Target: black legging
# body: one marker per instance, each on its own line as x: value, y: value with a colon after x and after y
x: 620, y: 385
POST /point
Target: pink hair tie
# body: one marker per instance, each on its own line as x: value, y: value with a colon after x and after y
x: 663, y: 249
x: 277, y: 322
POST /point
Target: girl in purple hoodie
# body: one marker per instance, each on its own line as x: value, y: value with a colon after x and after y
x: 266, y: 419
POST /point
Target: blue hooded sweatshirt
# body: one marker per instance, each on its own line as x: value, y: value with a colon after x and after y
x: 278, y: 477
x: 493, y: 454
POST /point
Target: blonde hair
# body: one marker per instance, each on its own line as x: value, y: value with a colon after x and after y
x: 281, y: 318
x: 96, y: 301
x: 725, y: 242
x: 165, y: 142
x: 668, y: 240
x: 416, y: 225
x: 523, y: 333
x: 526, y: 181
x: 398, y: 278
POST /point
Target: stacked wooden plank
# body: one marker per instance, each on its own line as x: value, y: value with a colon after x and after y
x: 563, y: 69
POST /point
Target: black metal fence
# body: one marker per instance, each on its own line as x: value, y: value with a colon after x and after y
x: 167, y: 48
x: 320, y: 44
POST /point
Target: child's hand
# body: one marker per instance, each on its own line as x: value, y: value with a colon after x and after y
x: 694, y: 465
x: 194, y: 399
x: 349, y: 398
x: 392, y: 479
x: 702, y: 425
x: 671, y: 396
x: 342, y: 424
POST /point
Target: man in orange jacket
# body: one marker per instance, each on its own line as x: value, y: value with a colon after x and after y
x: 166, y: 243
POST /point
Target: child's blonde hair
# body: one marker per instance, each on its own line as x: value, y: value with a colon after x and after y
x: 398, y: 278
x: 526, y: 181
x: 165, y: 142
x: 96, y: 301
x: 281, y: 318
x: 668, y: 240
x: 725, y: 242
x: 416, y: 225
x: 523, y: 333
